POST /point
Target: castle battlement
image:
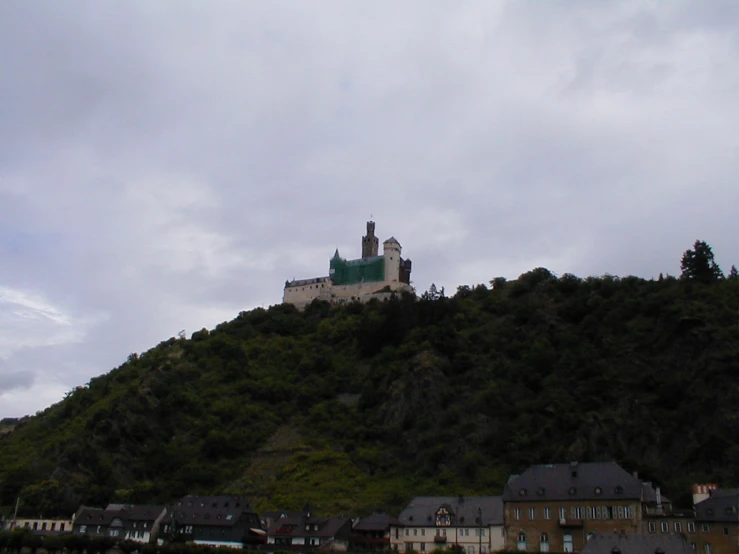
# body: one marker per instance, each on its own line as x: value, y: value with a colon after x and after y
x: 371, y: 276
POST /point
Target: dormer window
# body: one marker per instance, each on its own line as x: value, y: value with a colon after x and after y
x: 541, y: 491
x: 619, y: 489
x: 598, y: 491
x: 572, y: 491
x: 522, y: 492
x: 443, y: 517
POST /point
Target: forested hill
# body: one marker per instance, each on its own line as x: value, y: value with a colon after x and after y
x: 360, y: 407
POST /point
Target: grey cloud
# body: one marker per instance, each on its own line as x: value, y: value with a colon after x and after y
x: 166, y: 165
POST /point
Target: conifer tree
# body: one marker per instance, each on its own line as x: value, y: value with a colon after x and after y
x: 698, y: 264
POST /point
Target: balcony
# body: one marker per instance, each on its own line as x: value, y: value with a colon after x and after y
x: 570, y: 522
x: 440, y: 539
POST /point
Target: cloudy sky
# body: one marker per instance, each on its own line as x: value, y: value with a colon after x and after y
x: 165, y: 165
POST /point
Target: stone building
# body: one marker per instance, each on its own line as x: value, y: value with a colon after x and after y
x: 371, y: 276
x: 557, y: 507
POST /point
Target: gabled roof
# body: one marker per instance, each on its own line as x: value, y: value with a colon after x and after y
x: 463, y: 510
x: 573, y: 481
x: 98, y: 516
x: 392, y: 239
x: 376, y: 522
x: 626, y: 543
x: 144, y: 512
x: 722, y: 505
x: 295, y: 526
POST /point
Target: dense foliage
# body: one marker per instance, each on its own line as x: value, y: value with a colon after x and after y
x: 360, y: 407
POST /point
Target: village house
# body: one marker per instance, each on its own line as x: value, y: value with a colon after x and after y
x: 716, y: 529
x: 307, y: 531
x: 556, y: 507
x: 474, y: 523
x: 636, y: 543
x: 42, y: 526
x: 372, y: 532
x: 213, y: 520
x: 141, y: 521
x: 98, y: 522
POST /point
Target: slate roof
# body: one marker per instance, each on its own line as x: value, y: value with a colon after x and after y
x: 138, y: 512
x: 98, y: 516
x: 617, y: 543
x: 217, y: 511
x: 295, y: 526
x: 144, y: 512
x: 574, y: 481
x: 392, y: 239
x: 376, y: 522
x: 721, y: 506
x: 422, y: 510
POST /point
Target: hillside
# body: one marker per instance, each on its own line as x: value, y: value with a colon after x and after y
x: 361, y: 407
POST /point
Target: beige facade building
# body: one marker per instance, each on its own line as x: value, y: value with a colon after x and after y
x: 474, y: 523
x: 361, y: 279
x: 48, y: 526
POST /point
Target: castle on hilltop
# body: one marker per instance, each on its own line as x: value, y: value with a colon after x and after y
x: 371, y: 276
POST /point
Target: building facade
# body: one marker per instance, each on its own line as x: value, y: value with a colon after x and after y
x: 361, y: 279
x: 44, y: 526
x: 473, y: 523
x: 557, y: 507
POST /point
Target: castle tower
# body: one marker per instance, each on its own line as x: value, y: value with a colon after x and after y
x: 391, y: 253
x: 370, y: 243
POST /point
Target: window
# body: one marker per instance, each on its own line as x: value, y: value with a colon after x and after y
x: 483, y: 549
x: 423, y: 532
x: 652, y: 526
x: 678, y: 526
x: 577, y: 512
x: 35, y: 525
x: 726, y: 531
x: 408, y: 546
x: 562, y: 513
x: 423, y: 547
x: 590, y: 512
x: 547, y: 513
x: 43, y: 526
x: 704, y: 528
x: 415, y: 532
x: 572, y: 491
x: 521, y: 541
x: 664, y: 526
x: 522, y: 492
x: 407, y: 532
x: 707, y: 548
x: 83, y: 528
x: 470, y: 550
x: 532, y: 513
x: 516, y: 513
x: 544, y: 543
x: 691, y: 527
x: 567, y: 542
x: 61, y: 527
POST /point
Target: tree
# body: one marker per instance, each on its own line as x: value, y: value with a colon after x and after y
x: 698, y: 264
x: 733, y: 274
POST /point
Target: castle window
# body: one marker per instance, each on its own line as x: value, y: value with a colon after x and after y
x: 664, y: 526
x: 691, y: 527
x: 652, y: 526
x: 678, y: 527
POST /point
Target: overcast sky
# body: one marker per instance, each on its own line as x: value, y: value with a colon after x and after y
x: 165, y: 165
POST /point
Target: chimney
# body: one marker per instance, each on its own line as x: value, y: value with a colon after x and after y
x: 660, y: 509
x: 573, y: 469
x: 702, y: 492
